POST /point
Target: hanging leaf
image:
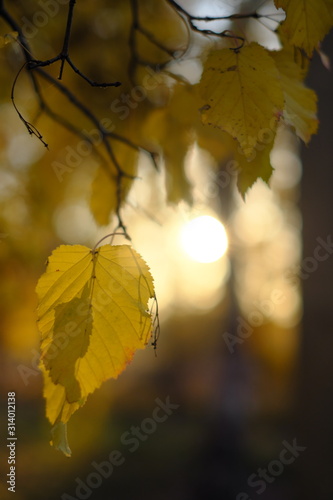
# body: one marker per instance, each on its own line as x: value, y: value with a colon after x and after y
x: 92, y: 316
x: 168, y: 133
x: 251, y: 169
x: 300, y: 102
x: 307, y: 22
x: 242, y: 93
x: 106, y: 186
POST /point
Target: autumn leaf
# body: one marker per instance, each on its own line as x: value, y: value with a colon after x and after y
x: 183, y: 107
x: 300, y: 102
x: 104, y: 188
x: 169, y: 134
x: 242, y: 93
x: 307, y: 22
x: 92, y: 316
x: 251, y: 169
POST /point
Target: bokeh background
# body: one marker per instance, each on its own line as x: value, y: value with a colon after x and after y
x: 238, y: 401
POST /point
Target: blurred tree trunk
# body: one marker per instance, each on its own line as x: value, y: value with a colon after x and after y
x: 314, y: 427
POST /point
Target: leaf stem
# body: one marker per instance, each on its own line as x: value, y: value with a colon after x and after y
x: 111, y: 235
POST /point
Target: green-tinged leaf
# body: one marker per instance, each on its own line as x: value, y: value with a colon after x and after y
x: 92, y: 315
x: 59, y: 438
x: 72, y: 330
x: 242, y: 93
x: 307, y: 22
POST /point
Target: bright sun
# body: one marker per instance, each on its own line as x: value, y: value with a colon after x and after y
x: 204, y: 239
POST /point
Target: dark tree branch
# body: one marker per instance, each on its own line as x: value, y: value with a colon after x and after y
x: 136, y: 59
x: 85, y: 111
x: 223, y: 34
x: 253, y: 15
x: 87, y: 79
x: 4, y: 14
x: 150, y: 36
x: 65, y: 48
x: 64, y: 54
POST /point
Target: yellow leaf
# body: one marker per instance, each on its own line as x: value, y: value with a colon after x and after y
x: 160, y: 22
x: 8, y: 38
x: 103, y: 199
x: 167, y: 132
x: 215, y: 141
x: 250, y: 170
x: 242, y: 93
x: 300, y: 102
x: 184, y: 108
x: 307, y: 22
x: 92, y: 316
x: 178, y: 185
x: 104, y: 190
x: 57, y: 408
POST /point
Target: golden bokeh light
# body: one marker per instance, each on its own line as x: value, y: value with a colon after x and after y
x: 204, y: 239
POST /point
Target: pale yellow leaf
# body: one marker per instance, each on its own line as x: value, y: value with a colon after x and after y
x: 250, y: 170
x: 300, y: 102
x: 242, y: 93
x: 169, y: 133
x: 105, y: 188
x: 307, y: 22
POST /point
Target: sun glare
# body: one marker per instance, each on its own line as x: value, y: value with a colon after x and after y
x: 204, y: 239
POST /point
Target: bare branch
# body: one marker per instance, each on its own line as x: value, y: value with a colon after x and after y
x: 65, y: 47
x: 87, y: 79
x: 29, y: 126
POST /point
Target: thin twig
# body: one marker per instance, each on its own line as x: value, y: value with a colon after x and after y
x: 87, y: 79
x: 253, y: 15
x: 223, y: 34
x: 65, y: 48
x: 30, y: 127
